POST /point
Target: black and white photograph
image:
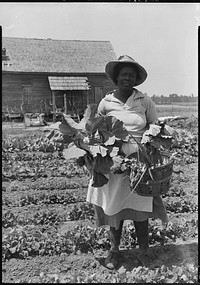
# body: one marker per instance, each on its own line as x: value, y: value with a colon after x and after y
x: 99, y: 142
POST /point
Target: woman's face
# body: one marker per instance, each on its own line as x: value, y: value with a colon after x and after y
x: 126, y: 78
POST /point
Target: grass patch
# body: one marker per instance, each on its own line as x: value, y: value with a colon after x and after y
x: 176, y: 109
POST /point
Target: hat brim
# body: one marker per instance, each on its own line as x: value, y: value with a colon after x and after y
x: 141, y: 74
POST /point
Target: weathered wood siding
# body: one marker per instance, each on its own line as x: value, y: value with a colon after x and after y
x: 99, y: 81
x: 12, y: 89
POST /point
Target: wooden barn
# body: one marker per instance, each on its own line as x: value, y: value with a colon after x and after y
x: 46, y: 75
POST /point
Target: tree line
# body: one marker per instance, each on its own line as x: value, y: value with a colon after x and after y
x: 172, y: 98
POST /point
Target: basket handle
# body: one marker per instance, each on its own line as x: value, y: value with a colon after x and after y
x: 143, y: 151
x: 142, y: 175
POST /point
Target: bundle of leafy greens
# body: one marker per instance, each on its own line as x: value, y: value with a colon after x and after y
x: 96, y: 140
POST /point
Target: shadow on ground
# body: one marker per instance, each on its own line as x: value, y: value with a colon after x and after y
x: 168, y: 255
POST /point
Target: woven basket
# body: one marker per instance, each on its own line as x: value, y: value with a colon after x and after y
x: 161, y: 180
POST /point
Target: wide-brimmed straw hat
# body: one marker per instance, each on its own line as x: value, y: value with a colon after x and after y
x: 141, y: 73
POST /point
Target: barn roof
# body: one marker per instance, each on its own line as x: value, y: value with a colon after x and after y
x: 60, y: 56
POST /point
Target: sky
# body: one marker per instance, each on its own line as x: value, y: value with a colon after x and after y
x: 162, y: 37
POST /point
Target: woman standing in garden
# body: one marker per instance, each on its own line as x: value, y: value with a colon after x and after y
x: 112, y: 202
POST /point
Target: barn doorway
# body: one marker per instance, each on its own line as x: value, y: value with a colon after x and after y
x: 69, y: 94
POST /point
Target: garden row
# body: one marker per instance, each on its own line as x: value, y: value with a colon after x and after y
x: 175, y: 274
x: 172, y: 204
x: 31, y: 240
x: 53, y: 194
x: 31, y: 193
x: 80, y: 211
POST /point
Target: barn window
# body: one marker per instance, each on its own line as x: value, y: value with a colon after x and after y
x: 27, y: 94
x: 3, y: 54
x: 98, y: 94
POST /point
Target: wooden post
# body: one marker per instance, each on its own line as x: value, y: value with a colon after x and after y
x: 54, y: 106
x: 87, y: 96
x: 65, y: 103
x: 71, y: 103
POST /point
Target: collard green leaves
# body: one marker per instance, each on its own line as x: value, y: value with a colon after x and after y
x: 73, y: 152
x: 103, y: 136
x: 99, y: 179
x: 153, y: 131
x: 90, y: 112
x: 103, y: 164
x: 94, y: 124
x: 98, y: 135
x: 69, y: 126
x: 158, y: 136
x: 116, y: 127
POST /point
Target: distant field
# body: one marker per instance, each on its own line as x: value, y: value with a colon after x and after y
x: 19, y: 130
x: 183, y: 109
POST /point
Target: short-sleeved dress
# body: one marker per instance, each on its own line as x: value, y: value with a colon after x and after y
x: 115, y: 201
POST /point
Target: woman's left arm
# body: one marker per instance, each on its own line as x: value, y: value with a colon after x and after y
x: 151, y: 114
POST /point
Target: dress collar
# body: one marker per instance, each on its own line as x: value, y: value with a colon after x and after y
x: 135, y: 95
